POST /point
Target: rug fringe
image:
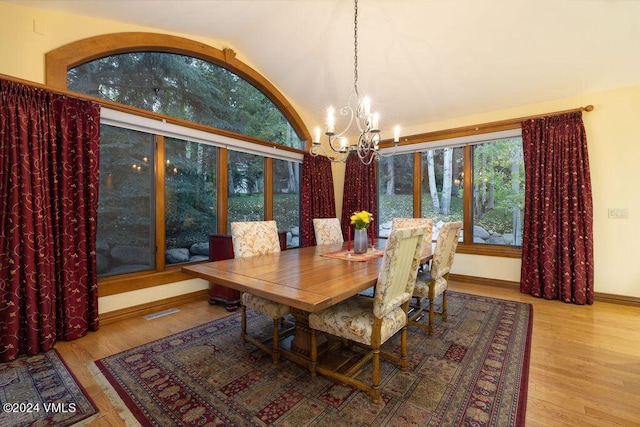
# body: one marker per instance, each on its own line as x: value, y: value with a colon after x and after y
x: 123, y: 412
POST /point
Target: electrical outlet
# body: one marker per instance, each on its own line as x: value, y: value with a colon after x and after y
x: 618, y: 213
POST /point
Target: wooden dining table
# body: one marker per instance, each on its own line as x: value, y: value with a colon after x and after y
x: 306, y: 279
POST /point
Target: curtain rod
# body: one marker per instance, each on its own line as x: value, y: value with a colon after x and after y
x: 586, y: 108
x: 476, y: 129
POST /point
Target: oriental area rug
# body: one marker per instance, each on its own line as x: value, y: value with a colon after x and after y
x: 40, y: 391
x: 473, y: 371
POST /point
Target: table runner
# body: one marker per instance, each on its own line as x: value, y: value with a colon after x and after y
x: 351, y: 256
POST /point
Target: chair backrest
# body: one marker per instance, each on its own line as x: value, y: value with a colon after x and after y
x: 445, y: 249
x: 254, y: 238
x: 399, y: 269
x: 327, y: 230
x: 415, y: 222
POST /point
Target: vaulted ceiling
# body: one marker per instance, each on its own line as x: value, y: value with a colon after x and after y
x: 420, y: 61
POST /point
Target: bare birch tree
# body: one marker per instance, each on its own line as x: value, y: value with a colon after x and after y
x: 431, y: 171
x: 447, y: 180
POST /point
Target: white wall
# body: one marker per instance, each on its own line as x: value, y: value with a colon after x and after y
x: 26, y: 34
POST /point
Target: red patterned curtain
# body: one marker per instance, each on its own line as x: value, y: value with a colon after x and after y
x: 557, y: 247
x: 360, y: 190
x: 317, y: 199
x: 48, y: 208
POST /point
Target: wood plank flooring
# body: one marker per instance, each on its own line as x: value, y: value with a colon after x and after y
x: 585, y: 360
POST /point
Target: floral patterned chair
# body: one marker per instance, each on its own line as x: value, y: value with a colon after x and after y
x: 432, y: 283
x: 254, y: 239
x: 372, y: 321
x: 327, y: 231
x: 415, y: 222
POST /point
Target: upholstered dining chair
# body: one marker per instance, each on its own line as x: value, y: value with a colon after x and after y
x: 434, y: 282
x: 327, y: 230
x: 415, y: 222
x: 370, y: 322
x: 256, y: 238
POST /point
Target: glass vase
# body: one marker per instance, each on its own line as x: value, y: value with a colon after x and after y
x: 360, y: 241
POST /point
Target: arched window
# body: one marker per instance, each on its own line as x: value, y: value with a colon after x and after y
x: 191, y: 140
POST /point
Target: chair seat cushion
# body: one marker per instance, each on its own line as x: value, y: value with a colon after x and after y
x: 353, y: 319
x: 267, y: 307
x: 421, y: 289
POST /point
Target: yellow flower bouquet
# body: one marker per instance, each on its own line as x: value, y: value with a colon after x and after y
x: 361, y: 220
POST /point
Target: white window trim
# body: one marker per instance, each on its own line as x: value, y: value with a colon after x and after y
x: 160, y: 127
x: 452, y: 142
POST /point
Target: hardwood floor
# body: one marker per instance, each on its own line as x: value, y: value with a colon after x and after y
x: 585, y: 360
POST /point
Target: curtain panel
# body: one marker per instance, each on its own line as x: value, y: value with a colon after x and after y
x: 317, y: 198
x: 49, y: 160
x: 360, y: 191
x: 557, y: 247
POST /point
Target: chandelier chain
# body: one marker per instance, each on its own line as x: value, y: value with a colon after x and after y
x: 355, y: 49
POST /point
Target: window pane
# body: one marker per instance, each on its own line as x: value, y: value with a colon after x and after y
x: 190, y: 200
x: 395, y: 189
x: 442, y: 195
x: 246, y: 187
x: 187, y: 88
x: 126, y: 235
x: 286, y: 199
x: 498, y: 192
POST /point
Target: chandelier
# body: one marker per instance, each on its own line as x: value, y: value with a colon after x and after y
x: 358, y: 111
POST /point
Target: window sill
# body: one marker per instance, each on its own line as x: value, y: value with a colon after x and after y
x: 490, y: 250
x: 135, y: 281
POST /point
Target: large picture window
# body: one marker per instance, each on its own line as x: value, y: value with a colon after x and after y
x: 286, y: 199
x: 478, y: 180
x: 126, y: 231
x: 498, y: 192
x: 245, y: 188
x: 395, y: 184
x: 190, y: 199
x: 217, y: 143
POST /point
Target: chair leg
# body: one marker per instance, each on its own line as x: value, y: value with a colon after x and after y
x: 375, y: 377
x: 444, y: 306
x: 431, y: 318
x: 403, y: 349
x: 243, y: 323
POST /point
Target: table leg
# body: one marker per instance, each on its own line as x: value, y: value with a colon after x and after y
x: 300, y: 346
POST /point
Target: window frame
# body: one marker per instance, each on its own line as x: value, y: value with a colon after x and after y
x: 59, y: 61
x: 466, y: 137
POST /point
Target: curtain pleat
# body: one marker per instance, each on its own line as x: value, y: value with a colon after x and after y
x: 49, y: 162
x: 317, y: 198
x: 360, y: 191
x: 557, y: 248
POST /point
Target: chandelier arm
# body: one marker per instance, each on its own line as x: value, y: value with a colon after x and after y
x: 318, y: 150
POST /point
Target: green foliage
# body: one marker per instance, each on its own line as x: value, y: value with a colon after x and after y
x: 498, y: 184
x: 393, y: 206
x: 250, y: 207
x: 187, y: 88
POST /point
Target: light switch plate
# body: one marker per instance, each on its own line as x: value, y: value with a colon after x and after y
x: 618, y: 213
